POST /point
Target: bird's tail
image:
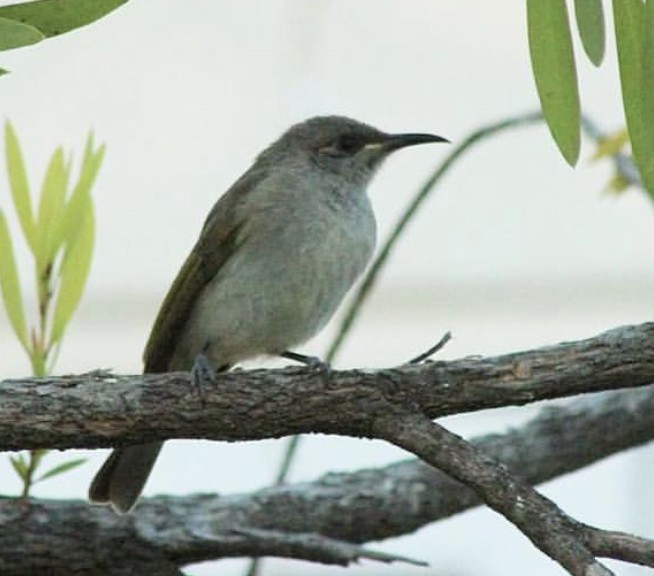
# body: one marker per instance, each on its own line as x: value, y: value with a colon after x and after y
x: 121, y: 479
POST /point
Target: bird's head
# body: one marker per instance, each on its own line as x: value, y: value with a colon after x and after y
x: 342, y: 146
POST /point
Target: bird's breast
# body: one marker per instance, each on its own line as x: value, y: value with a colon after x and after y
x: 323, y: 254
x: 282, y: 284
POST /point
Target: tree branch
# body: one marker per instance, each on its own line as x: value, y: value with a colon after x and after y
x: 310, y: 521
x: 381, y: 503
x: 99, y: 409
x: 536, y: 516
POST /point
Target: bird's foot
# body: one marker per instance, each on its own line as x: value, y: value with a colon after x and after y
x: 313, y: 362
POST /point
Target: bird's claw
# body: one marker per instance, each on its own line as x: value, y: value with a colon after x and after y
x: 312, y: 362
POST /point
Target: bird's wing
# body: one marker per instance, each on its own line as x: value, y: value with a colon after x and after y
x: 222, y: 235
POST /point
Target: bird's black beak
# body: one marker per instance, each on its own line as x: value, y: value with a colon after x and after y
x: 392, y: 142
x: 397, y: 141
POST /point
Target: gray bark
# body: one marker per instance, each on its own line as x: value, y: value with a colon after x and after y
x: 326, y: 520
x: 100, y: 409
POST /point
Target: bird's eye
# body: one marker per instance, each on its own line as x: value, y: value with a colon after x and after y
x: 348, y: 144
x: 345, y: 145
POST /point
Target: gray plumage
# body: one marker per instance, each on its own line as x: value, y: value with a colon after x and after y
x: 276, y: 255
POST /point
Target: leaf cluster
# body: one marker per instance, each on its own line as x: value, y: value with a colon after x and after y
x: 31, y: 22
x: 60, y: 235
x: 555, y: 72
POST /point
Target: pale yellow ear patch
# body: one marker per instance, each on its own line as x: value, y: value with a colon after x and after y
x: 373, y: 146
x: 330, y: 150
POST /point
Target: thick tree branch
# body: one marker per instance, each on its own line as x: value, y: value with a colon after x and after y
x: 396, y: 405
x: 100, y: 409
x: 381, y: 503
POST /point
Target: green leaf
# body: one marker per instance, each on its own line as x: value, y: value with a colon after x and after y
x: 15, y: 34
x: 53, y: 17
x: 51, y: 210
x: 3, y: 71
x: 61, y: 468
x: 75, y: 268
x: 634, y: 32
x: 19, y: 465
x: 10, y: 285
x: 552, y: 60
x: 75, y: 205
x: 590, y: 23
x: 20, y: 192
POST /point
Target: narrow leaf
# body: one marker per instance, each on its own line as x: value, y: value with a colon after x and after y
x: 51, y: 209
x: 644, y: 155
x: 552, y: 60
x: 75, y: 205
x: 19, y: 465
x: 75, y: 269
x: 590, y: 23
x: 15, y: 34
x: 634, y: 32
x: 61, y: 468
x: 10, y: 285
x: 53, y: 17
x: 19, y: 187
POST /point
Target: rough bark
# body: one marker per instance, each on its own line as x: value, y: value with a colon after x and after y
x: 100, y: 409
x: 325, y: 520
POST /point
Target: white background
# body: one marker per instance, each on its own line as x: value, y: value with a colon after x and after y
x: 514, y: 250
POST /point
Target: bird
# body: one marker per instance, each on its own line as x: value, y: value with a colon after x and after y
x: 276, y: 255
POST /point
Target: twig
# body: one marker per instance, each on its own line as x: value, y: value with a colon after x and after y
x: 435, y: 348
x: 315, y: 547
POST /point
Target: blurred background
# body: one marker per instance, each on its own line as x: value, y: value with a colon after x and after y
x: 514, y: 250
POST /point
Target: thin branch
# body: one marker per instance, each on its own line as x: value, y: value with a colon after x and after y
x: 420, y: 358
x: 548, y: 527
x: 315, y: 547
x: 619, y: 546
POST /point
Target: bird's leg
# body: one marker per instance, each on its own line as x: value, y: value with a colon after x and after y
x: 312, y: 362
x: 202, y: 374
